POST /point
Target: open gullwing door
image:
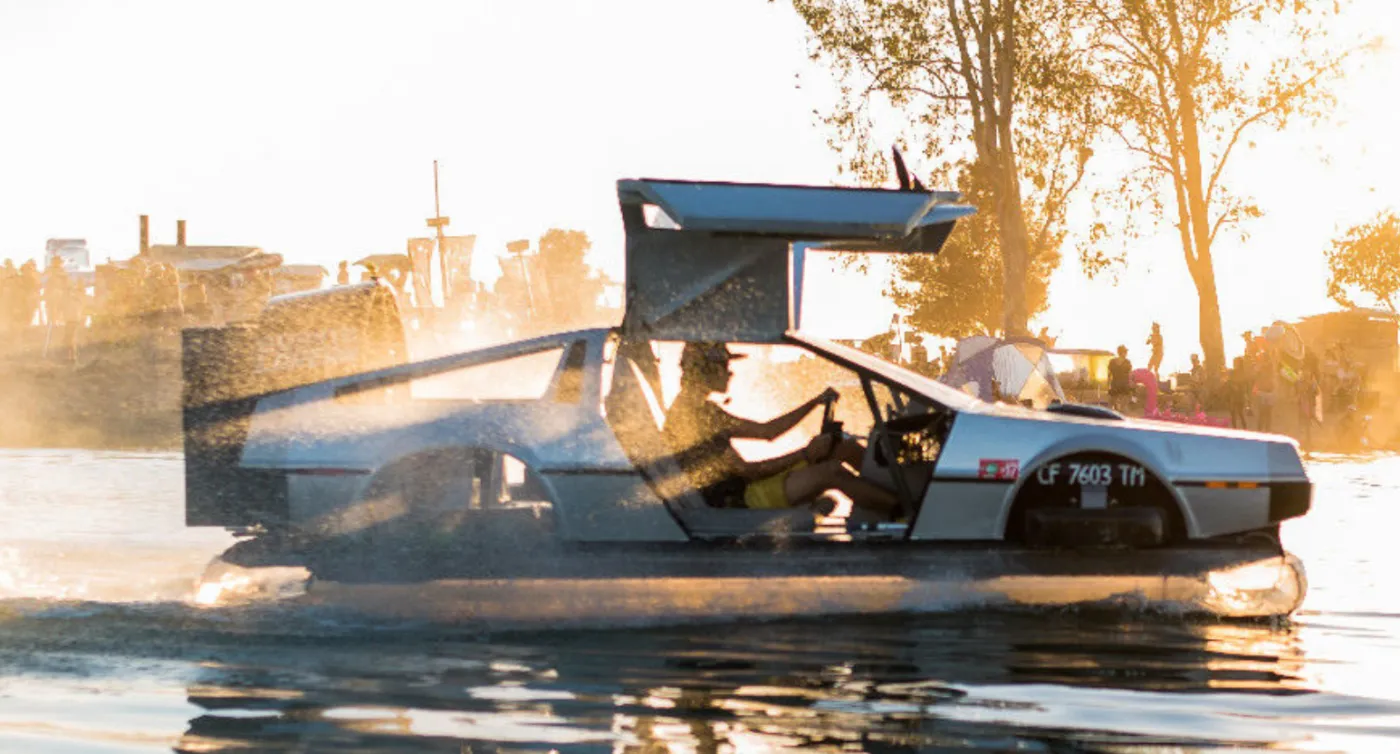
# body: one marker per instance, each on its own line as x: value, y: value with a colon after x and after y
x: 724, y: 261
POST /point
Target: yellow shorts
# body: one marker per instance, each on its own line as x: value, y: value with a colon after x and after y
x: 768, y: 491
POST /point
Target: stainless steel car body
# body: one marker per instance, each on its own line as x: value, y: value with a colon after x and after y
x: 326, y: 461
x: 332, y: 447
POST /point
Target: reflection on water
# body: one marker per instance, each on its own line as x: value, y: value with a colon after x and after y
x: 101, y: 652
x: 963, y: 681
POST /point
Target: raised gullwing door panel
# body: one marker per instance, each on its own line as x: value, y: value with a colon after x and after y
x: 724, y: 261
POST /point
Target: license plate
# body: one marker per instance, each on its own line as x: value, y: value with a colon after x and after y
x: 1091, y: 474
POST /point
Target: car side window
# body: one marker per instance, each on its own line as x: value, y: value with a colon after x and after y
x: 525, y: 377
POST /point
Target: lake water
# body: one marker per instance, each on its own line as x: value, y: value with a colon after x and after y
x: 101, y: 651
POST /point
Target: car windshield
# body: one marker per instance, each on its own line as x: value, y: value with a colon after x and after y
x: 891, y: 374
x: 890, y: 401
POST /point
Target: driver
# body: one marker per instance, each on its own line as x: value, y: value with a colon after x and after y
x: 699, y: 433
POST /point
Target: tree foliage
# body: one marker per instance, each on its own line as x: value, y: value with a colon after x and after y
x: 555, y: 287
x: 958, y: 292
x: 995, y: 94
x: 1366, y: 259
x: 575, y: 288
x: 1186, y: 81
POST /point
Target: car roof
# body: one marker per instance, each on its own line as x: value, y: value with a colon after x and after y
x: 727, y: 263
x: 801, y: 212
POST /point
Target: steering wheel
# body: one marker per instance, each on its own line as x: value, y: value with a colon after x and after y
x: 830, y: 424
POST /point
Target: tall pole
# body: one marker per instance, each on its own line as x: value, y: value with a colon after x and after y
x: 439, y: 222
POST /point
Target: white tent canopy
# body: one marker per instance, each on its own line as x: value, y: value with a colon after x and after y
x: 1016, y: 369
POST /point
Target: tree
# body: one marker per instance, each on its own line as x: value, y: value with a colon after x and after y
x: 1184, y: 87
x: 957, y: 293
x: 1367, y: 259
x: 993, y: 89
x: 571, y: 291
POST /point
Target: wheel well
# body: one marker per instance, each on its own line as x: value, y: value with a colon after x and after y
x: 1034, y: 493
x: 438, y: 512
x: 412, y: 474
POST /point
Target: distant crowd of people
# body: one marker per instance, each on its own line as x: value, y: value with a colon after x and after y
x: 136, y: 300
x: 20, y: 288
x: 919, y: 359
x: 1260, y: 384
x: 51, y: 297
x: 1263, y: 382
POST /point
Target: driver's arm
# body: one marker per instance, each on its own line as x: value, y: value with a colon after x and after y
x: 775, y: 428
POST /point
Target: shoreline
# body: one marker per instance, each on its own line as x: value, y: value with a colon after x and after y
x: 119, y: 396
x: 126, y: 393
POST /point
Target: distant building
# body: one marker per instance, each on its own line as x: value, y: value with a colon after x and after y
x: 210, y: 258
x: 1371, y: 336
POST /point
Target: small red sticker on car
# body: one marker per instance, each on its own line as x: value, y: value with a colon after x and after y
x: 1006, y: 469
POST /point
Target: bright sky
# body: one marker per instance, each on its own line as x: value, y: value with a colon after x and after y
x: 310, y: 128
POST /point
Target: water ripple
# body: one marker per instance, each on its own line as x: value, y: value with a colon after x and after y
x: 101, y: 649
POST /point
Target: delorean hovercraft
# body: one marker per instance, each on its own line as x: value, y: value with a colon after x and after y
x: 424, y: 488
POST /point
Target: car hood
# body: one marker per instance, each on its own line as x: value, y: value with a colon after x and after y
x: 1150, y: 425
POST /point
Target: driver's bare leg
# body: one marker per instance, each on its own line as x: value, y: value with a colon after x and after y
x: 849, y: 451
x: 805, y: 484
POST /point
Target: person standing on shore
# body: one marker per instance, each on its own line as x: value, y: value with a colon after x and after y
x: 1237, y: 390
x: 27, y: 294
x: 342, y: 275
x: 9, y: 307
x: 58, y: 312
x: 1265, y: 387
x: 75, y: 311
x: 1309, y: 393
x: 1197, y: 389
x: 1154, y: 340
x: 1120, y: 380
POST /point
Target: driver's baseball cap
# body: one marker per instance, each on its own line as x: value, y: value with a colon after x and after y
x: 700, y: 354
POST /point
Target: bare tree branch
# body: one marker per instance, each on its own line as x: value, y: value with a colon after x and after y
x: 1282, y: 101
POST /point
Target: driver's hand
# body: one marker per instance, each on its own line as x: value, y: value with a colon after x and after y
x: 819, y: 448
x: 829, y: 395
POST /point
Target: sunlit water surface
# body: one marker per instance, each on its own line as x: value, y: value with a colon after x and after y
x: 102, y: 651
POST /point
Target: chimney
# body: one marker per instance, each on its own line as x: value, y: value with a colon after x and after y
x: 179, y: 232
x: 145, y: 234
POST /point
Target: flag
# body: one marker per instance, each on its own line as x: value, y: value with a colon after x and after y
x: 457, y: 262
x: 420, y: 255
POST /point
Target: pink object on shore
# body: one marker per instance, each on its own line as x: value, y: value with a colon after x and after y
x: 1148, y: 381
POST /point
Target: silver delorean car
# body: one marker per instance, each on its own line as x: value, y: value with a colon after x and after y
x: 530, y: 480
